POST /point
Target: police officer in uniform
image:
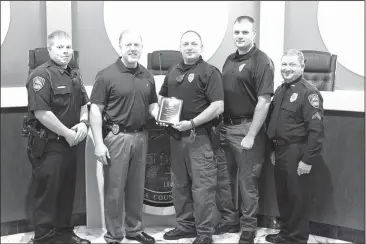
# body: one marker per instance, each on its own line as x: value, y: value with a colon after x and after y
x: 296, y: 126
x: 123, y: 97
x: 248, y: 86
x: 58, y: 121
x: 193, y: 166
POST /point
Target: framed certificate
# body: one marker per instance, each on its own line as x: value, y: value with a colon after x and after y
x: 170, y: 110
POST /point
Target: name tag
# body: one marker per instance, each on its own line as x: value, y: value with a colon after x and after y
x: 61, y: 87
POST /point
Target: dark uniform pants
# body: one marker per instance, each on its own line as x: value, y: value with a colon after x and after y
x: 194, y: 178
x: 224, y: 196
x: 292, y: 192
x: 53, y: 188
x: 249, y: 163
x: 124, y: 179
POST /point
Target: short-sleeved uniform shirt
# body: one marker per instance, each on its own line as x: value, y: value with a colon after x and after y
x: 301, y: 115
x: 125, y: 93
x: 202, y: 85
x: 245, y: 78
x: 52, y: 88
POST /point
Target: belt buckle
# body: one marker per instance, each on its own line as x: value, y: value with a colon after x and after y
x: 115, y: 129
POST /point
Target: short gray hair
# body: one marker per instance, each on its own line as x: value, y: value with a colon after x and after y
x: 295, y: 52
x: 57, y: 33
x: 125, y: 32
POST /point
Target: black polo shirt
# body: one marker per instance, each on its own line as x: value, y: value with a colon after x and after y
x: 52, y: 88
x: 126, y: 94
x: 202, y: 84
x: 245, y: 78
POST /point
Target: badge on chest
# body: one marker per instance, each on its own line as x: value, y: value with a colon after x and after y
x: 241, y: 67
x: 190, y: 77
x: 293, y: 97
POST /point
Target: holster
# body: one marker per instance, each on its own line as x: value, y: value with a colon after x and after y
x: 214, y: 132
x: 105, y: 131
x: 214, y: 136
x: 37, y: 141
x: 173, y: 133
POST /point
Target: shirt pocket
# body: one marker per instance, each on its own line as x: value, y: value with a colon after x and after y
x: 61, y: 96
x: 290, y: 109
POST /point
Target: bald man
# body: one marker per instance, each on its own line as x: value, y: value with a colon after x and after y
x: 123, y: 98
x: 193, y: 166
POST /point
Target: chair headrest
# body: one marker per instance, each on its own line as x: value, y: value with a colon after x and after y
x: 317, y: 61
x: 165, y: 58
x: 40, y: 56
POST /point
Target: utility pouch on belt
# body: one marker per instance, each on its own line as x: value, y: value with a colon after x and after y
x: 25, y: 132
x: 37, y: 141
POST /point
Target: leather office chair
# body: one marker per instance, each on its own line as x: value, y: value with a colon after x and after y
x: 40, y: 56
x: 159, y: 62
x: 320, y: 69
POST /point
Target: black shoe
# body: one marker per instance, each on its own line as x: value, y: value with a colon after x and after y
x: 222, y: 228
x: 202, y: 240
x: 275, y: 223
x: 247, y: 237
x: 176, y: 234
x: 276, y: 238
x: 69, y: 238
x: 142, y: 237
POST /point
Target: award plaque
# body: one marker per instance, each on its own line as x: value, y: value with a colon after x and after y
x: 170, y: 110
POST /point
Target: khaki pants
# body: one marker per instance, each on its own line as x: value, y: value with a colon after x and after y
x: 124, y: 179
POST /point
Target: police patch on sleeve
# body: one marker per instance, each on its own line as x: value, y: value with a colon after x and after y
x: 314, y: 100
x: 38, y: 83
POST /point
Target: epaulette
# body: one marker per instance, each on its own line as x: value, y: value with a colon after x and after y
x: 308, y: 84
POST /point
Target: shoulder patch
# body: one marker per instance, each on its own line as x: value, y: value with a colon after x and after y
x: 38, y: 83
x: 314, y: 100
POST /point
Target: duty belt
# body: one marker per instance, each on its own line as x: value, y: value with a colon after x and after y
x: 48, y: 134
x: 117, y: 128
x: 235, y: 120
x: 54, y: 136
x: 198, y: 131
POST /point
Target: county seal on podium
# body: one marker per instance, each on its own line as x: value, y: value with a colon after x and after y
x: 158, y: 189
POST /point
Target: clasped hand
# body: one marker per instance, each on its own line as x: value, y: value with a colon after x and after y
x: 80, y: 131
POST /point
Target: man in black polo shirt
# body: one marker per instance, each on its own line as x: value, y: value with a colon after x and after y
x: 122, y: 98
x: 248, y: 87
x: 193, y: 166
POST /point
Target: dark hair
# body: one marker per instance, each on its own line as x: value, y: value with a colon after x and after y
x: 199, y: 36
x: 51, y: 36
x: 244, y: 17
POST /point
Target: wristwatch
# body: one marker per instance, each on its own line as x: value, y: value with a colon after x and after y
x: 86, y: 122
